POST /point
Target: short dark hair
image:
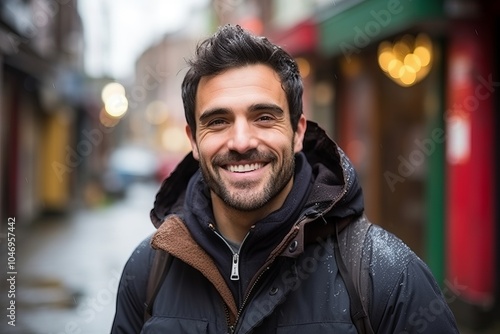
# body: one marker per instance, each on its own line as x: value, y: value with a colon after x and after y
x: 232, y: 47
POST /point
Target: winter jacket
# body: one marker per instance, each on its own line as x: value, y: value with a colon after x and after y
x: 285, y: 277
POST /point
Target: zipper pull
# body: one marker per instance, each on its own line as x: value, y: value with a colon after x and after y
x: 235, y: 275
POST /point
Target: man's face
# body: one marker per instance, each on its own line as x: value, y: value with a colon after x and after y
x: 244, y: 139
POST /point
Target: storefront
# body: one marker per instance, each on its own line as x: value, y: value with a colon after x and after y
x: 409, y: 116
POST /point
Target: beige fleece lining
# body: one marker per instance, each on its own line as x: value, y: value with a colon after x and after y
x: 174, y: 237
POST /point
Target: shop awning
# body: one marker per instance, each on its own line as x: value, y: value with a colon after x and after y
x: 369, y: 21
x: 299, y: 39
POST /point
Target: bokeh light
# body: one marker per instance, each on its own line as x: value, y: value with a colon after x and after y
x: 174, y: 139
x: 156, y: 112
x: 113, y: 88
x: 107, y: 120
x: 407, y: 60
x: 304, y: 67
x: 116, y: 105
x: 115, y: 101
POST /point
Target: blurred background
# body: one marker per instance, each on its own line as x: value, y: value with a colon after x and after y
x: 91, y: 122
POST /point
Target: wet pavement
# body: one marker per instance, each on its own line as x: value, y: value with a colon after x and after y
x: 69, y: 268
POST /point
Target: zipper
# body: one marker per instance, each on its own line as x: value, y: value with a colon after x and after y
x: 230, y: 327
x: 262, y: 271
x: 235, y: 273
x: 235, y: 261
x: 247, y: 296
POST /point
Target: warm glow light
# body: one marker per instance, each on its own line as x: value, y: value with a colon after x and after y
x: 107, y: 120
x: 408, y: 60
x: 384, y: 46
x: 113, y: 88
x: 407, y: 75
x: 116, y: 105
x: 304, y: 67
x: 401, y: 49
x: 174, y: 139
x: 395, y: 67
x: 115, y: 101
x: 384, y: 58
x: 351, y: 68
x: 413, y: 61
x: 156, y: 112
x: 423, y: 54
x: 323, y: 93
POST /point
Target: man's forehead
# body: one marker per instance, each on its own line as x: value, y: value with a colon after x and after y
x: 239, y: 69
x: 260, y: 80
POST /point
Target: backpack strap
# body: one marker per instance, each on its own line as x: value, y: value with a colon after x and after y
x: 350, y: 264
x: 159, y: 269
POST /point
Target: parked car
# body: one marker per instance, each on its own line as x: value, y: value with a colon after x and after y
x: 127, y: 165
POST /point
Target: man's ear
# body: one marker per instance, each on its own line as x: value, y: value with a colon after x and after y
x: 194, y: 147
x: 300, y: 133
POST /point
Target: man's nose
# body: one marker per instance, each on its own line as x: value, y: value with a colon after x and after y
x: 242, y: 137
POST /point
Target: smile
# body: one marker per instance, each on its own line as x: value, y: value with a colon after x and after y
x: 244, y: 168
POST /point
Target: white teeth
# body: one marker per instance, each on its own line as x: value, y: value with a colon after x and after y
x: 244, y: 168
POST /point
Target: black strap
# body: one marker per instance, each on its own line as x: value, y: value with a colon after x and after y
x: 358, y: 314
x: 161, y: 265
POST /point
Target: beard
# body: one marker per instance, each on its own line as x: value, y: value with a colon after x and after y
x: 248, y: 195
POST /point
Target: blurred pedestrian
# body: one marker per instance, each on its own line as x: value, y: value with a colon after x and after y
x: 263, y: 221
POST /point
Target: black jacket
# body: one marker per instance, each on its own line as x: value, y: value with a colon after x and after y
x: 288, y: 280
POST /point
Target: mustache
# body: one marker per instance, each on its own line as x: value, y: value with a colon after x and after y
x: 232, y: 157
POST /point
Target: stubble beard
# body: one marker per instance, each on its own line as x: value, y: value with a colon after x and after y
x: 244, y: 198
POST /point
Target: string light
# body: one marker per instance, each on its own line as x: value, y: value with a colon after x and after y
x: 408, y: 60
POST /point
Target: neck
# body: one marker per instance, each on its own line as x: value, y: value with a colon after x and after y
x: 235, y: 224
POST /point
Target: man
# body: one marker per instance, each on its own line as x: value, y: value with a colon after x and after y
x: 262, y: 220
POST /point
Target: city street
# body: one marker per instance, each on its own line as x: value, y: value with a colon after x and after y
x: 68, y: 270
x: 96, y: 94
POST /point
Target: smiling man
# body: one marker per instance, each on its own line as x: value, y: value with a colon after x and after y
x: 245, y: 145
x: 263, y: 221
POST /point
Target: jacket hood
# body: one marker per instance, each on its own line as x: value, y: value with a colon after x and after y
x: 335, y: 193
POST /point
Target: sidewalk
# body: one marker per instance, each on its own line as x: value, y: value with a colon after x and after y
x: 68, y: 270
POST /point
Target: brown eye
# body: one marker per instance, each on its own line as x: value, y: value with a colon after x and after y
x: 217, y: 122
x: 265, y: 118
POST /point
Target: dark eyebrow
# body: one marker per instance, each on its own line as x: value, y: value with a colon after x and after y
x: 266, y: 106
x: 210, y: 113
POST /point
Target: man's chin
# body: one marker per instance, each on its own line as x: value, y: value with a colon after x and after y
x: 247, y: 201
x: 245, y: 207
x: 235, y: 188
